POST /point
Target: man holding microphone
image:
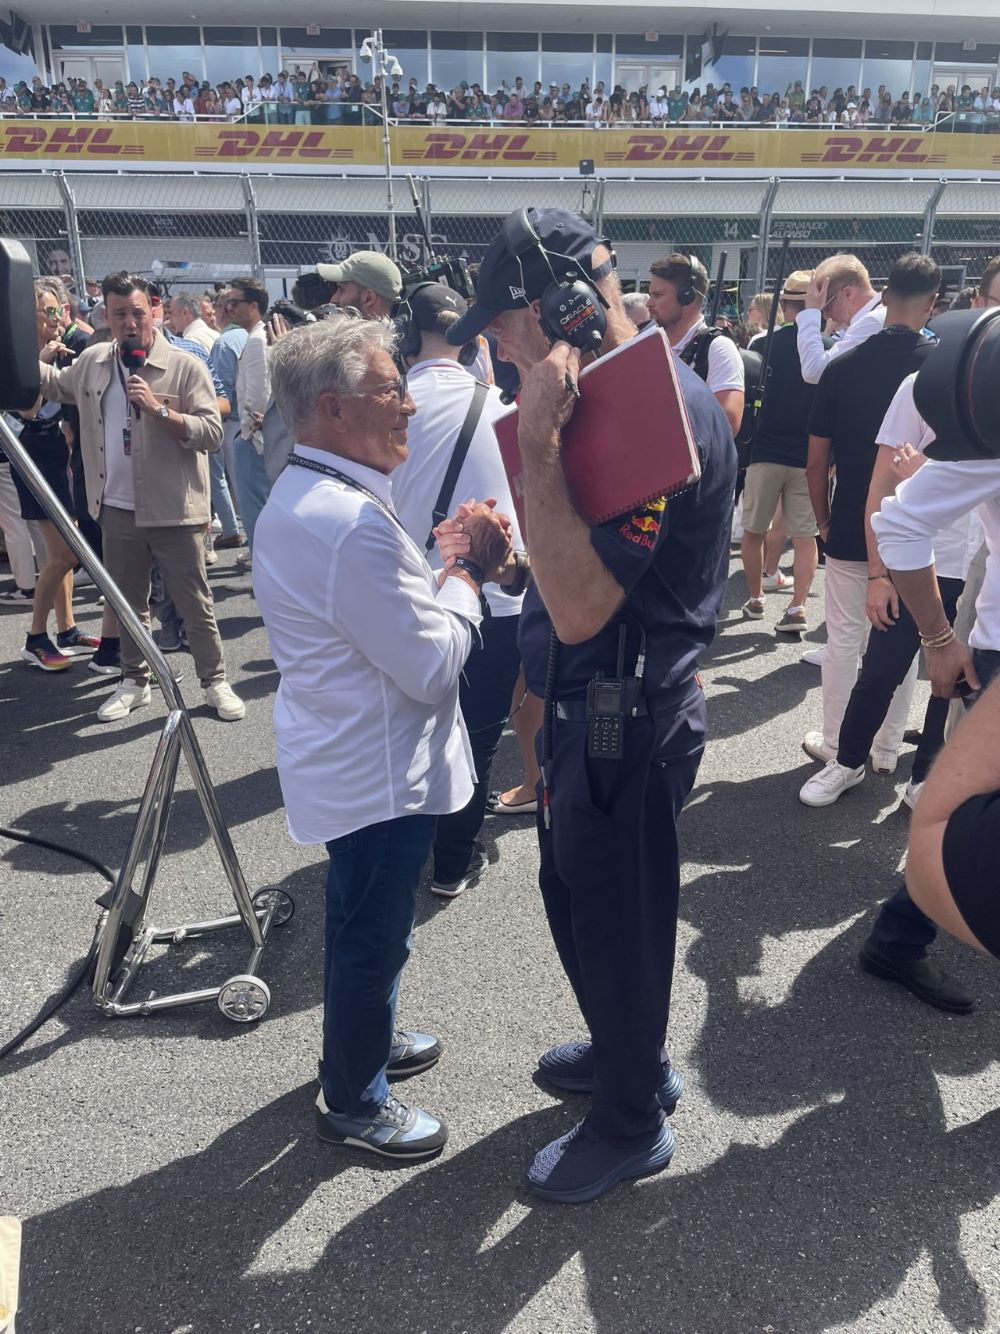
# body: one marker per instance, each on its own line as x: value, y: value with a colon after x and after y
x: 609, y: 863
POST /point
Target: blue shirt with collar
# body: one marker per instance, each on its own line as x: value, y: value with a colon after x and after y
x: 223, y: 361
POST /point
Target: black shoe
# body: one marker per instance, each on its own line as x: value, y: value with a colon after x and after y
x: 927, y: 982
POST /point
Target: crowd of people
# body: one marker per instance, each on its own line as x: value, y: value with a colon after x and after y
x: 310, y: 97
x: 348, y: 438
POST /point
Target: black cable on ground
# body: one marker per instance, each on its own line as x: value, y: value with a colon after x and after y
x: 55, y: 1002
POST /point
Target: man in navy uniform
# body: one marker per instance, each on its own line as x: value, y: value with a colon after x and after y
x: 609, y: 871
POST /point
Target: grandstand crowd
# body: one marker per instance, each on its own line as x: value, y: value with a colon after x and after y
x: 312, y: 97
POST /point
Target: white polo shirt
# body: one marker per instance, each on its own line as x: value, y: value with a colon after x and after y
x: 366, y: 718
x: 442, y: 391
x: 725, y: 365
x: 954, y: 546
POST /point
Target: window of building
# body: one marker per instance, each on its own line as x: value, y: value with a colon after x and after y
x: 174, y: 50
x: 952, y: 53
x: 456, y: 56
x: 64, y: 37
x: 229, y: 54
x: 268, y: 52
x: 836, y: 63
x: 14, y: 67
x: 567, y: 58
x: 890, y: 63
x: 135, y: 53
x: 409, y: 46
x: 735, y: 66
x: 922, y: 67
x: 509, y: 54
x: 603, y: 60
x: 780, y: 61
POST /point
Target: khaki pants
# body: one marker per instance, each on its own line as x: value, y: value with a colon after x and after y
x: 180, y: 553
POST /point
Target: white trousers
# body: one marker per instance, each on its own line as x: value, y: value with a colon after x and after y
x: 847, y: 629
x: 16, y: 534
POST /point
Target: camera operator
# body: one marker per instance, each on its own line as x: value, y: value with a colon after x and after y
x: 370, y: 743
x: 453, y: 454
x: 632, y: 601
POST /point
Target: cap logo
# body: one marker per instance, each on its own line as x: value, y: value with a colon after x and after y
x: 518, y: 293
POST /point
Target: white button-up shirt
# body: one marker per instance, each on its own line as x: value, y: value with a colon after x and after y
x: 442, y: 391
x: 931, y: 500
x: 370, y: 651
x: 814, y: 357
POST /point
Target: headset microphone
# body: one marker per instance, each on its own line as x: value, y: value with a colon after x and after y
x: 570, y: 308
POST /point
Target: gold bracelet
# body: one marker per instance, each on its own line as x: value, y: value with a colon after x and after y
x: 941, y: 640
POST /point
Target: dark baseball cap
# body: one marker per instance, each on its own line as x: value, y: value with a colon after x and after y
x: 507, y: 282
x: 432, y: 300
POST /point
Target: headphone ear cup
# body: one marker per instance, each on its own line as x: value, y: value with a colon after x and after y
x: 686, y: 295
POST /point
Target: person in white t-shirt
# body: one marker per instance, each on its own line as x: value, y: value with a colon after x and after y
x: 445, y: 395
x: 678, y: 286
x: 597, y: 114
x: 184, y: 105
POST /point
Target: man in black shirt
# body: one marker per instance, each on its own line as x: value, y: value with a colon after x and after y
x: 777, y: 468
x: 850, y: 403
x: 644, y: 588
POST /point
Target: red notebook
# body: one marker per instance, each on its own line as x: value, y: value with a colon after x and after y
x: 629, y: 440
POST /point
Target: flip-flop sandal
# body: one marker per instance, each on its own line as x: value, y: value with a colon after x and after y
x: 498, y: 807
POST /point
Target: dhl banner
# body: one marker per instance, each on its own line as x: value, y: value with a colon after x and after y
x: 513, y: 150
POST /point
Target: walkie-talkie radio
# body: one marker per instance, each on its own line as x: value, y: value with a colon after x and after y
x: 612, y: 699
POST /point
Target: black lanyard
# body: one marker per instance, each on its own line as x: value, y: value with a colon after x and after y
x: 299, y: 462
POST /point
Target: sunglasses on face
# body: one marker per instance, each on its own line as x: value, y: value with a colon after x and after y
x: 53, y: 312
x: 398, y: 385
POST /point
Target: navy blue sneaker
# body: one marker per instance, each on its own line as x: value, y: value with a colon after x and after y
x: 395, y: 1131
x: 571, y: 1067
x: 581, y: 1166
x: 410, y: 1054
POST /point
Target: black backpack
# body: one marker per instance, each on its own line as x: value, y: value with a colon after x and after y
x: 695, y: 355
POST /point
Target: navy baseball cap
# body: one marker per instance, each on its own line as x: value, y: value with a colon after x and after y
x: 432, y: 300
x: 507, y: 282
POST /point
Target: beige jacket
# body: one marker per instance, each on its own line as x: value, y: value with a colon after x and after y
x: 170, y: 473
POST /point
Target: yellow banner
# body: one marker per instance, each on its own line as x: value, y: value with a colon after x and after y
x: 632, y: 151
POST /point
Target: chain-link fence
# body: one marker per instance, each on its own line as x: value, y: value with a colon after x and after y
x: 193, y: 229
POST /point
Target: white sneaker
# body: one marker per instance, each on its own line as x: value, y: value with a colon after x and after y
x: 128, y: 696
x: 912, y: 795
x: 884, y: 761
x: 224, y: 700
x: 814, y: 746
x: 814, y: 656
x: 831, y: 782
x: 777, y: 583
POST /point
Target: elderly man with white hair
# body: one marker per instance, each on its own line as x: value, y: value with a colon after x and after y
x: 370, y: 744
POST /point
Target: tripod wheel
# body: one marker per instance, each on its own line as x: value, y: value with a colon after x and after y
x: 244, y: 998
x: 283, y: 904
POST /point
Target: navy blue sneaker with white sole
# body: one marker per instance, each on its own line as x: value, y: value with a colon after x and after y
x: 406, y: 1134
x: 581, y: 1166
x: 570, y: 1066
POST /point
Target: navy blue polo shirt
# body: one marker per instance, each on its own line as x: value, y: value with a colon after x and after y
x: 671, y: 558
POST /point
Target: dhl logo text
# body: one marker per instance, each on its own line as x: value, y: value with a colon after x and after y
x: 29, y: 140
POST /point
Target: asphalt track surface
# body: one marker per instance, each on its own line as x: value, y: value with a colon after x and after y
x: 837, y: 1162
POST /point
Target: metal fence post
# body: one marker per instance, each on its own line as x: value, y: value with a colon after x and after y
x: 930, y: 212
x: 72, y: 229
x: 427, y: 209
x: 597, y: 213
x: 253, y: 231
x: 764, y: 237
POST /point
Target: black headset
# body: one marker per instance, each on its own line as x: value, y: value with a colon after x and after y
x: 688, y: 294
x: 571, y: 309
x: 410, y: 334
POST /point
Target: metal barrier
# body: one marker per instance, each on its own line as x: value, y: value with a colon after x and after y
x: 125, y: 937
x: 274, y: 226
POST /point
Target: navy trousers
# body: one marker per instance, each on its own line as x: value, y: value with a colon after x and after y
x: 610, y: 879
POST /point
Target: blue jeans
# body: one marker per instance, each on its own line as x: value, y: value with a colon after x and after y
x: 370, y: 901
x: 222, y: 501
x: 252, y: 485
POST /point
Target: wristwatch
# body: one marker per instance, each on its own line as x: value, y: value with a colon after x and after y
x: 162, y: 412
